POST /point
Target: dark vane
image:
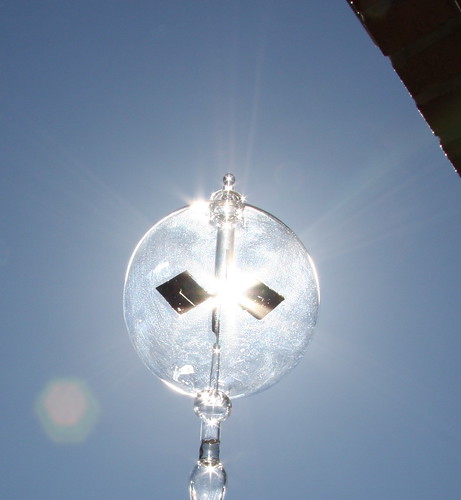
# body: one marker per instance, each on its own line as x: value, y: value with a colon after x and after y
x: 183, y: 293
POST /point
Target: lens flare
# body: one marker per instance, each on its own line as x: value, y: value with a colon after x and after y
x: 67, y: 410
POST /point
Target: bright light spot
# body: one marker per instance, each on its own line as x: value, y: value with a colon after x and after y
x: 200, y: 206
x: 232, y: 290
x: 177, y: 389
x: 160, y: 267
x: 184, y: 370
x: 67, y: 410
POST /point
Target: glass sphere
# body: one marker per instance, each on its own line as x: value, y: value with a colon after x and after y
x: 267, y: 312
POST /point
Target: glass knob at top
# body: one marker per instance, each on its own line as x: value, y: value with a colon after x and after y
x: 268, y: 301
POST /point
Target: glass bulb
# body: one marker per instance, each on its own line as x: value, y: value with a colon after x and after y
x: 267, y: 302
x: 208, y: 481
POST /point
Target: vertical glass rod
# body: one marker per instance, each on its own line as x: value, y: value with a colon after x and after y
x: 208, y: 479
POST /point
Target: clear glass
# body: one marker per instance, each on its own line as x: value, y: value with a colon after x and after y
x: 208, y: 481
x: 268, y: 303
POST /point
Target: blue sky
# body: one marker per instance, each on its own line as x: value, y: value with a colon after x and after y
x: 116, y: 113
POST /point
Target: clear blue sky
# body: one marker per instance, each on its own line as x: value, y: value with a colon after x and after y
x: 115, y: 113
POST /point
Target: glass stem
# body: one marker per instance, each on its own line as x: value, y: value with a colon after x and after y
x: 223, y: 263
x: 210, y: 433
x: 208, y: 480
